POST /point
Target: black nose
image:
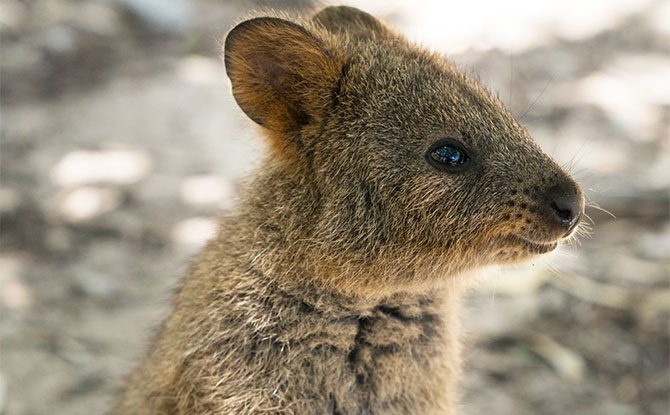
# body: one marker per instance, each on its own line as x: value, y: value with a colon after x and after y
x: 565, y: 207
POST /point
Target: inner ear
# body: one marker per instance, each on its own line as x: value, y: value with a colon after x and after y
x: 354, y: 22
x: 281, y: 74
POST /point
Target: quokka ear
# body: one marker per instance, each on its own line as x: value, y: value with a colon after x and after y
x: 282, y: 76
x: 355, y: 22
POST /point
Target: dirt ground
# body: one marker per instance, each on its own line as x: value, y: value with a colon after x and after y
x: 121, y: 144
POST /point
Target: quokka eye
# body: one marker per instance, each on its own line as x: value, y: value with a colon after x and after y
x: 447, y: 155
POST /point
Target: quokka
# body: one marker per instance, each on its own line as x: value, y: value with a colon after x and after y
x: 334, y: 286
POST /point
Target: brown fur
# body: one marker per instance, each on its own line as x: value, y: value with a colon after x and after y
x: 334, y: 286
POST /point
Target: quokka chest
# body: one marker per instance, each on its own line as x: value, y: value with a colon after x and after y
x: 382, y: 361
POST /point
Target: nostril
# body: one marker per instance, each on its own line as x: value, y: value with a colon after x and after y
x: 564, y: 207
x: 564, y: 214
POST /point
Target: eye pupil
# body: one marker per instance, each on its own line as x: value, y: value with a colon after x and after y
x: 448, y: 155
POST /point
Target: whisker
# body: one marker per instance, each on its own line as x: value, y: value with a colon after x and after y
x: 580, y: 171
x: 594, y: 205
x: 587, y: 225
x: 553, y: 268
x: 536, y: 99
x: 605, y: 190
x: 584, y: 233
x: 585, y: 230
x: 587, y: 176
x: 579, y: 153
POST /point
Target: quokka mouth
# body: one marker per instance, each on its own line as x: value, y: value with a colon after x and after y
x: 535, y: 247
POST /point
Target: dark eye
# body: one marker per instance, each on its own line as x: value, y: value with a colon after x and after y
x: 447, y: 156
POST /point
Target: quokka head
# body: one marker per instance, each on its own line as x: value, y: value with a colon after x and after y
x: 411, y: 161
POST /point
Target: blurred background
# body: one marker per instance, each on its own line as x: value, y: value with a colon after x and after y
x: 121, y: 144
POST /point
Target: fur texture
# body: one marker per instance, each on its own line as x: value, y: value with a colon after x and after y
x: 334, y: 286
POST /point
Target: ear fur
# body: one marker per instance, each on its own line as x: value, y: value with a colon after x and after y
x: 356, y: 23
x: 281, y: 74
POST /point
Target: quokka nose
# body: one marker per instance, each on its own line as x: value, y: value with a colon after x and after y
x: 565, y: 208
